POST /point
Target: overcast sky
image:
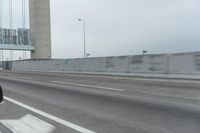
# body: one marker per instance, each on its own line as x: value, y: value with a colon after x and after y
x: 122, y: 27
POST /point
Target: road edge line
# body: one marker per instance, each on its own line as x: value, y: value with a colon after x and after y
x: 51, y: 117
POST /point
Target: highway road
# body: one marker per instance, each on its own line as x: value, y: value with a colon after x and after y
x: 78, y: 103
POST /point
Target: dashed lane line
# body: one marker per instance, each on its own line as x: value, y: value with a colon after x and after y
x: 90, y: 86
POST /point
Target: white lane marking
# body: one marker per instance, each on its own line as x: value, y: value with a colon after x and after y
x: 51, y: 117
x: 28, y: 124
x: 20, y: 77
x: 90, y: 86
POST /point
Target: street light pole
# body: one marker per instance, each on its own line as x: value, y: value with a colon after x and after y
x: 84, y: 36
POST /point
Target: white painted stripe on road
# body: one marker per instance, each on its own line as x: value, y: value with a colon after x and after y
x: 20, y: 77
x: 51, y: 117
x: 28, y: 124
x: 90, y: 86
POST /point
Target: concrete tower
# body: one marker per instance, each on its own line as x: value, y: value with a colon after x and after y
x: 40, y: 27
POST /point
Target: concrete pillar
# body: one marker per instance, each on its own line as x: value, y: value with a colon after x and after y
x: 40, y: 27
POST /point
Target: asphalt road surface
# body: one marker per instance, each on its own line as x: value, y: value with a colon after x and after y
x: 73, y: 103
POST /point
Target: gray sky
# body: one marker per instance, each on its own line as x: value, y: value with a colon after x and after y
x: 123, y: 27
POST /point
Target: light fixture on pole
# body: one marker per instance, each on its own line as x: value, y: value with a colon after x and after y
x: 88, y: 54
x: 144, y: 52
x: 84, y: 25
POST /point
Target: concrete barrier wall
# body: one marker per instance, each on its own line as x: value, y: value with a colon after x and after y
x: 138, y: 64
x: 71, y: 65
x: 149, y: 64
x: 55, y: 65
x: 35, y: 65
x: 185, y: 63
x: 15, y: 65
x: 179, y: 63
x: 196, y: 60
x: 90, y: 64
x: 158, y: 63
x: 115, y: 64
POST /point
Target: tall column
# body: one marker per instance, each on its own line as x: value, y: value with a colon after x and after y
x: 40, y: 26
